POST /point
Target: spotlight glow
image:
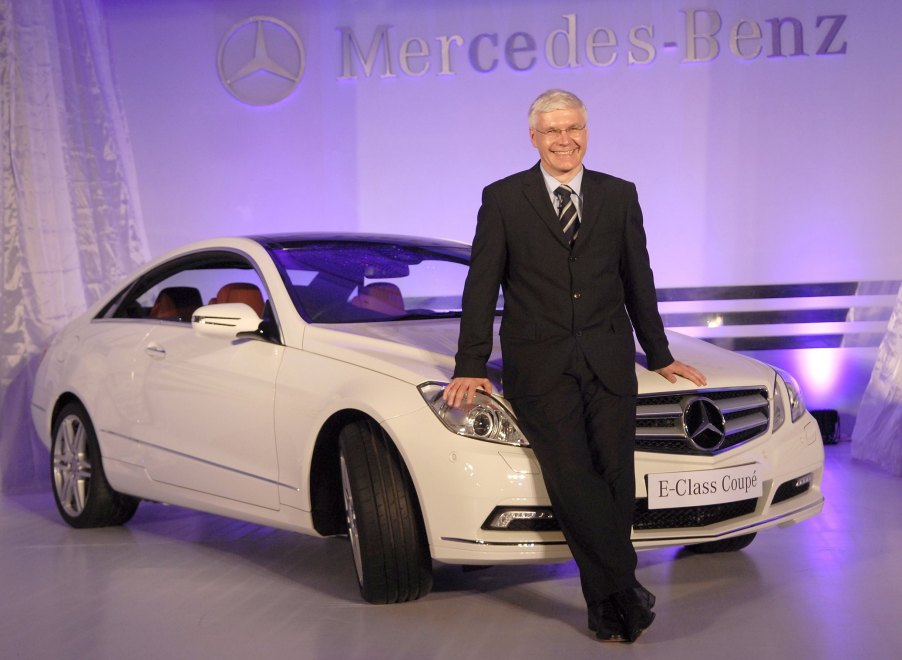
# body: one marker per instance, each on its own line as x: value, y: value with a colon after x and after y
x: 821, y: 371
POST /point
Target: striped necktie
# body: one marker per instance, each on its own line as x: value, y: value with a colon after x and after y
x: 567, y: 214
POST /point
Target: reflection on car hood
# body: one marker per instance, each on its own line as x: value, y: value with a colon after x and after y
x: 415, y: 351
x: 722, y: 368
x: 419, y: 351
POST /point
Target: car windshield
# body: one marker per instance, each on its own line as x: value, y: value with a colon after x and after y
x: 354, y: 282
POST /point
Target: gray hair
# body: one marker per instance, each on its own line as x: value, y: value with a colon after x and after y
x: 555, y: 99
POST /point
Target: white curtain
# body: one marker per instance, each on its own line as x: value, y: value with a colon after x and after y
x: 72, y: 225
x: 877, y: 436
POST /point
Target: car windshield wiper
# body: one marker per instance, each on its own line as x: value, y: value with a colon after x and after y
x: 413, y: 316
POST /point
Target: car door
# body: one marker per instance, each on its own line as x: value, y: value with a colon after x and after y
x: 112, y: 357
x: 210, y: 405
x: 205, y: 410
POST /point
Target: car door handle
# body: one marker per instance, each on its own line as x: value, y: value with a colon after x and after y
x: 155, y: 350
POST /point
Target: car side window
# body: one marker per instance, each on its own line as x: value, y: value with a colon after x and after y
x: 174, y: 291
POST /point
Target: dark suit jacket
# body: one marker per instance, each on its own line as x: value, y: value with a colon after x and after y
x: 555, y: 297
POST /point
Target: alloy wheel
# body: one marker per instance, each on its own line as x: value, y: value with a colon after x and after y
x: 72, y: 465
x: 351, y: 517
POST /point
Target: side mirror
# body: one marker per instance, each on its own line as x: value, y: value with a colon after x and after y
x: 225, y: 320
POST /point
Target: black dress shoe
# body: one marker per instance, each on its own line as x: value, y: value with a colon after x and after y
x: 605, y: 622
x: 646, y: 596
x: 633, y: 606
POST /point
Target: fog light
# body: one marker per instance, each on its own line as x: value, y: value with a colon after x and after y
x: 793, y: 488
x: 802, y: 481
x: 521, y: 519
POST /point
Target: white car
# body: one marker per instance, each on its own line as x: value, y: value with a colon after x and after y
x: 295, y: 381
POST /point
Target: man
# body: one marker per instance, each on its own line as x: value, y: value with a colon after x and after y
x: 567, y: 246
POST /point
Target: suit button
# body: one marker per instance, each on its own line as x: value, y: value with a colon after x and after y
x: 579, y: 333
x: 571, y: 259
x: 577, y: 296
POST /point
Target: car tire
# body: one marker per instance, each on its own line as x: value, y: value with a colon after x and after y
x: 723, y: 545
x: 83, y: 495
x: 391, y: 553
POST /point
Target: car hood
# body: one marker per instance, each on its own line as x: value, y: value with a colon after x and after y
x: 420, y: 351
x: 414, y: 351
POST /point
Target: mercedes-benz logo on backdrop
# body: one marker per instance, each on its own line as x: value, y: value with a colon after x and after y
x: 261, y: 60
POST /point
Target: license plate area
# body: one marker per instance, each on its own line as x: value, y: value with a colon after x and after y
x: 669, y: 490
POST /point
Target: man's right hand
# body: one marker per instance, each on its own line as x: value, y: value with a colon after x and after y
x: 463, y: 390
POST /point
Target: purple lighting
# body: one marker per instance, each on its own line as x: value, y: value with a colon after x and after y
x: 822, y: 369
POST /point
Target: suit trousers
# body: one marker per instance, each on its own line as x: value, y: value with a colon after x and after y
x: 583, y: 436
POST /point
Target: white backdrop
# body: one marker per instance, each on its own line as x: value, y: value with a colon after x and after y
x: 751, y: 170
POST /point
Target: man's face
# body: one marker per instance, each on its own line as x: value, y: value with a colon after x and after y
x: 561, y: 151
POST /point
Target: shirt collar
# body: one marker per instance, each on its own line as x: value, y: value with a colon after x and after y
x: 552, y: 184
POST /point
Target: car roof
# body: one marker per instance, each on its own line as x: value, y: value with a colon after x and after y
x: 288, y: 240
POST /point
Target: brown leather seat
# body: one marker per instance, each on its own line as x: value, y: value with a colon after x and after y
x: 241, y: 292
x: 176, y: 303
x: 382, y: 297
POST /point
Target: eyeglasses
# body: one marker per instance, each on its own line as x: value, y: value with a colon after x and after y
x: 555, y: 133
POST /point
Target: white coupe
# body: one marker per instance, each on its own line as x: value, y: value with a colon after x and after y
x: 295, y: 381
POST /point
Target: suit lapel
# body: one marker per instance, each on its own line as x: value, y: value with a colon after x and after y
x: 593, y: 202
x: 537, y: 194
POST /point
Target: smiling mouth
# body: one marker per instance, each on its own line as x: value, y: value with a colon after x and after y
x: 565, y: 153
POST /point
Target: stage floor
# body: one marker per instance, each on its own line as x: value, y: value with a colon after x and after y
x: 178, y: 584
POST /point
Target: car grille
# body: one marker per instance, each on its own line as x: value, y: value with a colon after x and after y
x: 704, y: 422
x: 688, y: 516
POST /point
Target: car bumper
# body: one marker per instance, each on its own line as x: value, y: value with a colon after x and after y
x: 460, y: 481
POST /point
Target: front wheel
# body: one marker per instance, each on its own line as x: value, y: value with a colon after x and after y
x: 83, y: 495
x: 391, y: 553
x: 723, y: 545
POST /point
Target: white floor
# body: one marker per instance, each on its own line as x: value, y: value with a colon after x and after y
x: 179, y: 584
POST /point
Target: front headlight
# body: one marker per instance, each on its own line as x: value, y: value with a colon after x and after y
x: 779, y: 406
x: 485, y: 418
x: 785, y: 381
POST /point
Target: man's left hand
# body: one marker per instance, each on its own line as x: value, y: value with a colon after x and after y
x: 677, y: 368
